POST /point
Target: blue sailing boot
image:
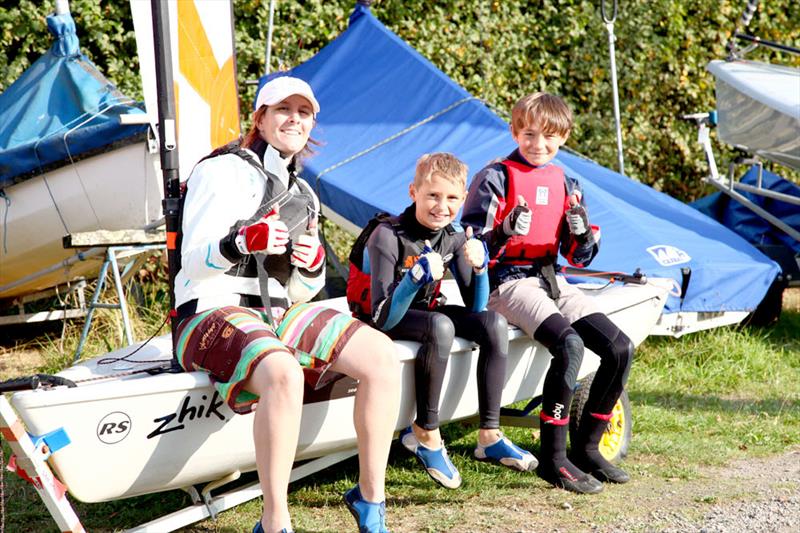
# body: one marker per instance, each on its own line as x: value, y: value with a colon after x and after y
x: 436, y: 462
x: 506, y: 453
x: 259, y: 529
x: 370, y: 516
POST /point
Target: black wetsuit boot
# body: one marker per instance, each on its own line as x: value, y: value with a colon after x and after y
x: 585, y: 453
x: 616, y: 354
x: 555, y: 468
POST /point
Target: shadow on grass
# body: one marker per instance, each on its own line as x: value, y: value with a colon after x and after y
x: 694, y: 402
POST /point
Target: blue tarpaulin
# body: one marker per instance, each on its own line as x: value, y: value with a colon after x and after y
x: 384, y: 105
x: 60, y: 107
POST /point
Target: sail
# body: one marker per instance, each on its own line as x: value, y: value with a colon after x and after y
x: 204, y: 73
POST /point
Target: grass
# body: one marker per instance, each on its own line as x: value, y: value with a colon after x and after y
x: 700, y: 401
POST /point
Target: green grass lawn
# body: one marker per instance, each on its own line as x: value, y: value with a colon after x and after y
x: 703, y: 400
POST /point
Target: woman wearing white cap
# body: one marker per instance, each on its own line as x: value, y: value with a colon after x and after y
x: 246, y: 215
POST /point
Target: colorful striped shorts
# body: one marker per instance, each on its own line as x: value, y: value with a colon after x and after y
x: 229, y: 342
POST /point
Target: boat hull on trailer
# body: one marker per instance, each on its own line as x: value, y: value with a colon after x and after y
x: 759, y: 108
x: 116, y: 190
x: 139, y: 434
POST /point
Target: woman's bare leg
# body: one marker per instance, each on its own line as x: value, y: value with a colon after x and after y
x: 278, y: 380
x: 369, y: 357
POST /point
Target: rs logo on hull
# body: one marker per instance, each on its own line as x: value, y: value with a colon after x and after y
x: 114, y: 427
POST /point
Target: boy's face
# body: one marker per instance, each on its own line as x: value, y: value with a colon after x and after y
x: 536, y: 146
x: 438, y: 201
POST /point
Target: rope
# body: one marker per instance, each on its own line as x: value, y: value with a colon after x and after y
x: 112, y: 360
x: 2, y: 491
x: 98, y: 113
x: 393, y: 137
x: 5, y: 220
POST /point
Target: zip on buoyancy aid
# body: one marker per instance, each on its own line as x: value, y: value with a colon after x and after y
x: 359, y: 279
x: 544, y: 189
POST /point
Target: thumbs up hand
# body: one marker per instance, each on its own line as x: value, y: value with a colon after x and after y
x: 475, y: 251
x: 268, y: 234
x: 577, y: 218
x: 518, y: 222
x: 307, y: 250
x: 428, y: 268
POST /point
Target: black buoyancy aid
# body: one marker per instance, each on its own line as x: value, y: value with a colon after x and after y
x: 545, y: 191
x: 359, y: 280
x: 296, y: 209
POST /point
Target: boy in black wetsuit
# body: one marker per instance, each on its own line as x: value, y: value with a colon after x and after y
x: 407, y: 257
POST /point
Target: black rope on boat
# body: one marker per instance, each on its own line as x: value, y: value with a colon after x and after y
x: 34, y: 382
x: 2, y: 491
x: 124, y: 358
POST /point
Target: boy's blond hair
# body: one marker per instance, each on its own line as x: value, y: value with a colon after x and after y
x: 442, y: 164
x: 547, y: 111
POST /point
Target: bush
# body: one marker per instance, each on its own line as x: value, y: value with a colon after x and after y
x: 498, y: 50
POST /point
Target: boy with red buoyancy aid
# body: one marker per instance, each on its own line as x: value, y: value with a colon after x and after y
x: 527, y: 210
x: 407, y: 257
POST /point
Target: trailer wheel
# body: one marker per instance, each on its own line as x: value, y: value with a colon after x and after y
x: 617, y: 438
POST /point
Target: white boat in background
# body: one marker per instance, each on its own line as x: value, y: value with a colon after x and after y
x: 79, y: 197
x: 758, y: 108
x: 94, y: 164
x: 133, y: 434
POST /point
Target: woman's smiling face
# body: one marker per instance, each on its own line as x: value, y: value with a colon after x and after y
x: 287, y: 125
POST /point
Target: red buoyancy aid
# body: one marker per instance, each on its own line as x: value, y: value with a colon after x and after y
x: 544, y: 188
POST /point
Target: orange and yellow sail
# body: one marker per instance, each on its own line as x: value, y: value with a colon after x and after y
x: 204, y: 72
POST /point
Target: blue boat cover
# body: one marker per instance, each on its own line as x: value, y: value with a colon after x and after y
x: 384, y: 105
x: 745, y: 222
x: 61, y: 107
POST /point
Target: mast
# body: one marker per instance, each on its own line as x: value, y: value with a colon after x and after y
x: 168, y: 144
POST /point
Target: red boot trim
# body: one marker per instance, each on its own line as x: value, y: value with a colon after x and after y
x: 555, y: 421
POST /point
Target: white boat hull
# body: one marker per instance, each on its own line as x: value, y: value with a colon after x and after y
x: 140, y: 434
x: 115, y: 190
x: 759, y: 108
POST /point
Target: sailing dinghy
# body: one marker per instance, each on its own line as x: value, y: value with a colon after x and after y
x: 169, y: 431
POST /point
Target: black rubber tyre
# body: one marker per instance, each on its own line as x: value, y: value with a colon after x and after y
x: 617, y: 438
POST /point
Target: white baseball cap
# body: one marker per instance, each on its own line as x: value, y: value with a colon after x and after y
x: 279, y: 89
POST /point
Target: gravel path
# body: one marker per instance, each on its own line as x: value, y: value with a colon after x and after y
x: 765, y: 493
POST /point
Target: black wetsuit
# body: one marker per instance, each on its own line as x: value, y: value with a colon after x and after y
x: 419, y: 315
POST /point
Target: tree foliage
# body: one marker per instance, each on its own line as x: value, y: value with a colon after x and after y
x: 497, y: 49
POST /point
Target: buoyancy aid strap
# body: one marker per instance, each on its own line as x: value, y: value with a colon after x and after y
x: 547, y: 273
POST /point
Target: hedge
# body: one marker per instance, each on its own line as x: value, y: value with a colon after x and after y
x: 498, y: 50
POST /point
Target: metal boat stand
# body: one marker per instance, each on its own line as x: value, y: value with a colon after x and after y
x: 113, y: 254
x: 119, y: 245
x: 30, y: 463
x: 206, y: 506
x: 64, y: 293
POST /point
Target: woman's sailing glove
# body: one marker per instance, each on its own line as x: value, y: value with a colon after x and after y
x: 308, y: 253
x: 268, y: 235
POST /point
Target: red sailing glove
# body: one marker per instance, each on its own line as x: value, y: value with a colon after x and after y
x: 269, y: 235
x: 308, y: 253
